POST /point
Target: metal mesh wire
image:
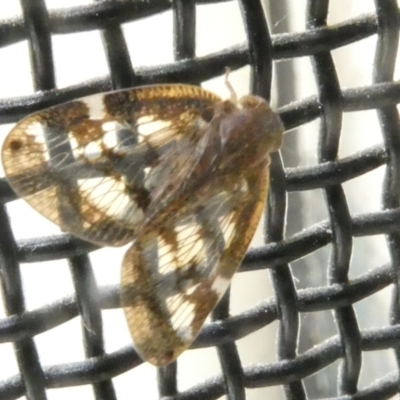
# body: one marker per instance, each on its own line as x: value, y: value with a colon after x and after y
x: 338, y: 295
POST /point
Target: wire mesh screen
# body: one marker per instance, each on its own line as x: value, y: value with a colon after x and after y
x: 334, y: 312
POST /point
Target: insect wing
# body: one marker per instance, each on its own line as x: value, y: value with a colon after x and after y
x: 92, y: 166
x: 173, y: 278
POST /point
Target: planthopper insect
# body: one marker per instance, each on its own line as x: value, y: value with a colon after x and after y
x: 172, y: 169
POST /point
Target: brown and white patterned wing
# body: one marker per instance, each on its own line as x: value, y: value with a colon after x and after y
x: 94, y: 165
x: 173, y: 278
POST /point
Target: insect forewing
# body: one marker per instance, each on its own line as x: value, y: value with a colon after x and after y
x: 172, y: 278
x: 92, y: 165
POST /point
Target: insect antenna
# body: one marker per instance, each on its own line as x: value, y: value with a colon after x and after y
x: 232, y: 92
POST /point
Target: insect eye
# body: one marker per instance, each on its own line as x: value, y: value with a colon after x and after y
x: 208, y: 114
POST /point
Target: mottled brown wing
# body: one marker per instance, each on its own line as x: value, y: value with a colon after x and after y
x: 93, y: 166
x: 173, y: 277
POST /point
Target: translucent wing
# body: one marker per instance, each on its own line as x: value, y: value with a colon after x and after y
x: 173, y: 277
x: 93, y: 166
